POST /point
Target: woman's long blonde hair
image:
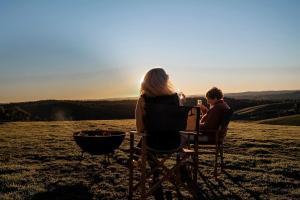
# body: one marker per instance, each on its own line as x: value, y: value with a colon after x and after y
x: 156, y: 83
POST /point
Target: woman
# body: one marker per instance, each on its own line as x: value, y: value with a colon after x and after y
x: 156, y: 84
x: 156, y: 88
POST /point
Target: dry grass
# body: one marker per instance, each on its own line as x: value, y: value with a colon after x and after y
x: 40, y: 160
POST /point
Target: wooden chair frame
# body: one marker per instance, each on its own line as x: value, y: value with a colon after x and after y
x: 182, y: 158
x: 217, y: 145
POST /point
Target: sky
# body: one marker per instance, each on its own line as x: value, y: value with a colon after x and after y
x: 86, y: 49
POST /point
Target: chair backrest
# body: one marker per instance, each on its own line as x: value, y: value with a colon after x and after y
x: 164, y: 117
x: 224, y: 124
x: 162, y: 124
x: 192, y: 119
x: 226, y: 119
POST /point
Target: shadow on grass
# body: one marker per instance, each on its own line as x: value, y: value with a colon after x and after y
x: 253, y: 194
x: 219, y: 190
x: 65, y: 192
x: 215, y: 191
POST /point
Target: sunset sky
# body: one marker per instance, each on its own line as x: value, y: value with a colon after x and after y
x: 85, y: 49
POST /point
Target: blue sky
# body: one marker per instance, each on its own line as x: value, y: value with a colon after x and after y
x: 99, y: 49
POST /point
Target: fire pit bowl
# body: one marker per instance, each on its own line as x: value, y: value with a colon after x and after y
x: 99, y: 142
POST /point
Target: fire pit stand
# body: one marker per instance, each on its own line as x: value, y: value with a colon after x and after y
x: 99, y: 142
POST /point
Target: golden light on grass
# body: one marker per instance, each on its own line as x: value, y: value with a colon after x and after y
x: 267, y: 160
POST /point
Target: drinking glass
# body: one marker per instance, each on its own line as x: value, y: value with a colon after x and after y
x: 199, y: 102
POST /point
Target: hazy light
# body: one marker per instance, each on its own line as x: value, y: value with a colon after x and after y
x: 102, y: 49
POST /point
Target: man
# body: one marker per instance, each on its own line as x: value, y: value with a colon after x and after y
x: 213, y: 116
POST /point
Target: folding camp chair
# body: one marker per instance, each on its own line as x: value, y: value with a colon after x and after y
x: 164, y: 119
x: 214, y: 140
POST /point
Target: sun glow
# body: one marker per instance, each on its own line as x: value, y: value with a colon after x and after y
x: 141, y: 80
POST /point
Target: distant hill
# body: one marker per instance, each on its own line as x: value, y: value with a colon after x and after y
x: 247, y: 106
x: 267, y: 95
x: 48, y: 110
x: 291, y: 120
x: 13, y: 114
x: 69, y: 110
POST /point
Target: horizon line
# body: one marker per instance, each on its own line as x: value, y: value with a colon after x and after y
x: 135, y: 97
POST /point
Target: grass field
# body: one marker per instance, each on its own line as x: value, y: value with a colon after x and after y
x: 40, y: 160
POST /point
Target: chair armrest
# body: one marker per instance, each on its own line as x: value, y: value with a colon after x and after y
x: 188, y: 132
x: 209, y: 131
x: 192, y: 133
x: 133, y: 132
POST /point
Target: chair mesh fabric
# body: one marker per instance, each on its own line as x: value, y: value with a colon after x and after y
x: 163, y: 123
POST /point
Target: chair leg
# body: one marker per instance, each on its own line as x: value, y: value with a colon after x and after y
x: 222, y: 158
x: 130, y: 191
x: 216, y: 162
x: 166, y: 175
x: 143, y: 169
x: 195, y: 160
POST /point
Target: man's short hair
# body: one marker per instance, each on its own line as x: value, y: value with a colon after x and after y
x: 214, y: 93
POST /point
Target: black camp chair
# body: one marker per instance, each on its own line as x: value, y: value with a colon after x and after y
x: 163, y: 122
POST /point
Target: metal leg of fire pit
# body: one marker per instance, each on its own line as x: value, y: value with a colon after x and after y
x: 107, y: 158
x: 81, y: 156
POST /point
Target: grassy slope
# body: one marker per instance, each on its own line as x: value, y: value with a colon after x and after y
x: 292, y: 120
x: 267, y: 111
x: 251, y: 109
x: 39, y: 160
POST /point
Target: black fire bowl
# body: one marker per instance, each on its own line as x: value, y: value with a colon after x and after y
x: 99, y: 142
